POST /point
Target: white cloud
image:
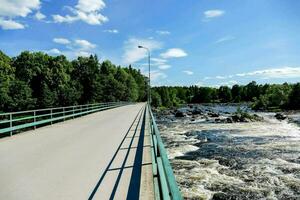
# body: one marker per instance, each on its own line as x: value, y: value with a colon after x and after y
x: 157, y: 75
x: 11, y: 9
x: 111, y: 31
x: 229, y: 83
x: 39, y: 16
x: 82, y: 53
x: 270, y: 73
x: 161, y: 32
x: 207, y: 78
x: 90, y: 5
x: 18, y: 8
x: 61, y: 41
x: 84, y: 44
x: 221, y: 77
x: 174, y: 53
x: 87, y: 11
x: 163, y: 67
x: 10, y: 24
x: 213, y: 13
x: 225, y: 39
x: 159, y: 61
x: 283, y: 72
x: 188, y: 72
x: 74, y: 48
x: 133, y: 54
x: 54, y: 51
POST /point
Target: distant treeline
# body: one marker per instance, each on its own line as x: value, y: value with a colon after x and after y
x: 261, y: 97
x: 37, y: 80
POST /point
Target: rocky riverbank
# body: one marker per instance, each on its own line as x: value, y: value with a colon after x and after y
x: 210, y: 114
x: 253, y: 156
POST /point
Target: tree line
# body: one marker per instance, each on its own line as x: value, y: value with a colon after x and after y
x: 261, y: 96
x: 34, y: 80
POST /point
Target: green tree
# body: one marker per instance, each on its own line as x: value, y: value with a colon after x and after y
x: 155, y: 99
x: 6, y: 77
x: 20, y: 96
x: 294, y: 97
x: 225, y: 94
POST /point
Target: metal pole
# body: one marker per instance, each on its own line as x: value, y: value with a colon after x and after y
x: 149, y: 81
x: 10, y: 123
x: 51, y: 115
x: 34, y: 118
x: 149, y: 84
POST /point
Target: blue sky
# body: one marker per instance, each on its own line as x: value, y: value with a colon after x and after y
x: 203, y: 42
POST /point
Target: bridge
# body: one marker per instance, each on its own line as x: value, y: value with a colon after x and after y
x: 96, y: 151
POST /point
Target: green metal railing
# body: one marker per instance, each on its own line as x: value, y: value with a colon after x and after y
x: 165, y: 185
x: 16, y: 121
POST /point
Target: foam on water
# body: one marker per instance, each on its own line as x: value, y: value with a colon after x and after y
x: 257, y: 160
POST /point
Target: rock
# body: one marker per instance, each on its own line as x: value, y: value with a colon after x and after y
x: 229, y: 120
x: 236, y: 118
x: 218, y: 120
x: 211, y: 114
x: 179, y: 113
x: 220, y: 196
x: 280, y: 116
x: 189, y: 113
x: 196, y: 112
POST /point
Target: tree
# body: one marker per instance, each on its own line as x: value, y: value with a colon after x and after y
x: 86, y: 73
x: 236, y: 92
x: 6, y: 77
x: 294, y: 97
x: 155, y: 99
x: 20, y: 96
x: 225, y: 94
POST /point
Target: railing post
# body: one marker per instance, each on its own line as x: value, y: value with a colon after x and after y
x: 51, y: 113
x: 10, y: 123
x: 73, y: 111
x: 64, y: 114
x: 34, y: 118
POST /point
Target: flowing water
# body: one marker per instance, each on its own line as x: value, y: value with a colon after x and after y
x: 255, y: 160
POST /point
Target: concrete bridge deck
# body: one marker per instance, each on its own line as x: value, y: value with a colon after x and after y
x: 105, y: 155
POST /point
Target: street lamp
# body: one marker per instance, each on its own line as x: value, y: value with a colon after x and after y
x: 149, y: 82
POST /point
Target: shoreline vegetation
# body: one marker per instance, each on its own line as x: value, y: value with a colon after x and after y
x: 35, y: 80
x: 260, y: 97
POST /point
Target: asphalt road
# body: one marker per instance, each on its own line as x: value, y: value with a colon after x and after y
x: 105, y: 155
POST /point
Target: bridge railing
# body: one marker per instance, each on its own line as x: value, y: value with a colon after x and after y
x: 165, y: 185
x: 17, y: 121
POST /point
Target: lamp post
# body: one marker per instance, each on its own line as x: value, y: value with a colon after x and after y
x: 149, y: 81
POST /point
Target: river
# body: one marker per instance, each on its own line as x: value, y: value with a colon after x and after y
x: 220, y: 160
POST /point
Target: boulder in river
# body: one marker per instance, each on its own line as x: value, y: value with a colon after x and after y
x: 212, y: 114
x: 245, y: 117
x: 196, y: 111
x: 179, y: 113
x: 280, y: 116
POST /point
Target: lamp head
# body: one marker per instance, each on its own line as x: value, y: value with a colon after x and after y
x: 140, y: 46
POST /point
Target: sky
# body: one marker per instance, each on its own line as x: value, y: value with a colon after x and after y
x: 192, y: 42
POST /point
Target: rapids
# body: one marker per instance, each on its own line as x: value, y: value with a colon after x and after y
x: 255, y: 160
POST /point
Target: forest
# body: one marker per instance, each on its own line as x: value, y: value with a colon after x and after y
x: 260, y: 96
x: 34, y: 80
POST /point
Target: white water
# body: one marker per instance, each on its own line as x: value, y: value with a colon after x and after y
x: 257, y: 160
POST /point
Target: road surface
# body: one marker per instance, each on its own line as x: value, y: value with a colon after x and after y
x: 105, y: 155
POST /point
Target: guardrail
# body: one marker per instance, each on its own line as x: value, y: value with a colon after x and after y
x: 15, y: 121
x: 165, y: 185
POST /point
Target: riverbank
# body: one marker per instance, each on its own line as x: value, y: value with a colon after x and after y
x: 215, y: 159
